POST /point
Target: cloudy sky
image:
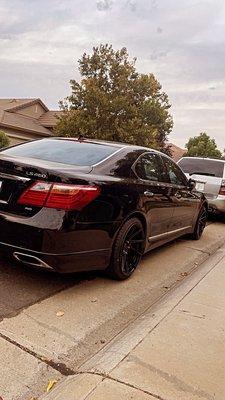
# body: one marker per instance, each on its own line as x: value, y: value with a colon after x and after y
x: 181, y: 41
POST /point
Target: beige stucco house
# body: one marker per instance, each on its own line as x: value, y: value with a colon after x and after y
x: 177, y: 152
x: 26, y: 119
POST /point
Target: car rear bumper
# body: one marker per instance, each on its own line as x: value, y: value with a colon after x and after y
x: 56, y: 242
x: 62, y: 263
x: 217, y: 204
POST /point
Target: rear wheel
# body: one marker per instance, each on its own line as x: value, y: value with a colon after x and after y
x: 127, y: 250
x: 200, y: 224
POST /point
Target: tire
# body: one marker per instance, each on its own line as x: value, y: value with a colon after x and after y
x: 200, y: 224
x: 127, y: 250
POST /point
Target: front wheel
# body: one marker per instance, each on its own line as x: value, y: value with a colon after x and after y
x: 200, y: 224
x: 127, y: 250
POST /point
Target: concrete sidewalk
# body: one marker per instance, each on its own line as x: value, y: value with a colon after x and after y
x: 175, y: 351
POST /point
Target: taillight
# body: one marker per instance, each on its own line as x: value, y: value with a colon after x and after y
x: 71, y: 197
x: 222, y: 188
x: 59, y: 195
x: 36, y: 195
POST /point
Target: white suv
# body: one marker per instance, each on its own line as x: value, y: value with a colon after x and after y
x: 209, y: 175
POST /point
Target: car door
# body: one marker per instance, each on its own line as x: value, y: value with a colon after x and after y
x: 185, y: 201
x: 154, y: 193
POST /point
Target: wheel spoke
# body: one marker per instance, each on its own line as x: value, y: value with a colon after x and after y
x: 203, y: 218
x: 202, y: 221
x: 132, y: 248
x: 137, y: 241
x: 136, y: 251
x: 135, y: 234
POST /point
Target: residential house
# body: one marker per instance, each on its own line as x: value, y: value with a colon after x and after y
x: 26, y: 119
x: 177, y: 152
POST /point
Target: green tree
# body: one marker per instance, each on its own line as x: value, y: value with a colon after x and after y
x: 4, y: 140
x: 115, y: 102
x: 202, y: 146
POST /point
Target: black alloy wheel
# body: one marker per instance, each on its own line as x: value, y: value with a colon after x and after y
x: 127, y: 250
x: 200, y: 224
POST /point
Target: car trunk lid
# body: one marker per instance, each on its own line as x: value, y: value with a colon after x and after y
x: 210, y: 185
x: 207, y: 173
x: 17, y: 174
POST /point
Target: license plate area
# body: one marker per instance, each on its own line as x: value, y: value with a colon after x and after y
x: 200, y: 186
x: 6, y: 190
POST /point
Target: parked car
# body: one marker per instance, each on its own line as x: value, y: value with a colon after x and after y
x: 209, y: 175
x: 73, y: 205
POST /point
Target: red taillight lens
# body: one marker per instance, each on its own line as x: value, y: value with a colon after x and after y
x: 222, y: 188
x: 36, y: 195
x: 71, y: 197
x: 59, y: 195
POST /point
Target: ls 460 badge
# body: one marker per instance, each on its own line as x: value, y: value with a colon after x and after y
x: 36, y: 174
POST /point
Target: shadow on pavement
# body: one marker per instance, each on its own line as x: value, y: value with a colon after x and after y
x: 216, y: 218
x: 21, y: 286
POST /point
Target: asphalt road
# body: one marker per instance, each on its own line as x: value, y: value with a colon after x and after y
x: 21, y: 286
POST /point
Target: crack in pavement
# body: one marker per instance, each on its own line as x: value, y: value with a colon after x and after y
x: 60, y: 367
x: 200, y: 251
x: 106, y: 376
x: 209, y: 253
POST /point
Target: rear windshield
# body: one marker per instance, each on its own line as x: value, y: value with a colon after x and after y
x: 196, y: 166
x: 63, y: 151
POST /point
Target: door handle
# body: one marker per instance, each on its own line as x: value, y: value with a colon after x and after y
x: 178, y: 195
x: 148, y: 193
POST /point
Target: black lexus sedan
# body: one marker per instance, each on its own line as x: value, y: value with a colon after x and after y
x: 76, y: 204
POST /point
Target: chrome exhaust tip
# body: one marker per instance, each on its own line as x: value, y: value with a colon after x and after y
x: 31, y: 260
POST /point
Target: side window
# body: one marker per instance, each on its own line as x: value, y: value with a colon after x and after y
x: 174, y: 173
x: 149, y: 167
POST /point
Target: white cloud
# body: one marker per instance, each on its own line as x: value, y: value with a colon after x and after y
x: 181, y: 42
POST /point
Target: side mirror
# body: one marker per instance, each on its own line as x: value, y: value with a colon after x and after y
x: 191, y: 184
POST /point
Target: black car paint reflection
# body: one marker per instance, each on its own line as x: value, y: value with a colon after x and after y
x: 78, y: 240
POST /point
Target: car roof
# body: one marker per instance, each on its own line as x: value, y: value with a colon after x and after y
x: 107, y: 143
x: 87, y: 140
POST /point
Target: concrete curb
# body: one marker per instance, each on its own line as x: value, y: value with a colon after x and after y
x: 76, y: 387
x: 99, y: 367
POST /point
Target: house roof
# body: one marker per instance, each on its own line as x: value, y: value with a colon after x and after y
x: 176, y: 151
x: 13, y: 116
x: 50, y: 118
x: 23, y: 123
x: 7, y: 104
x: 16, y: 104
